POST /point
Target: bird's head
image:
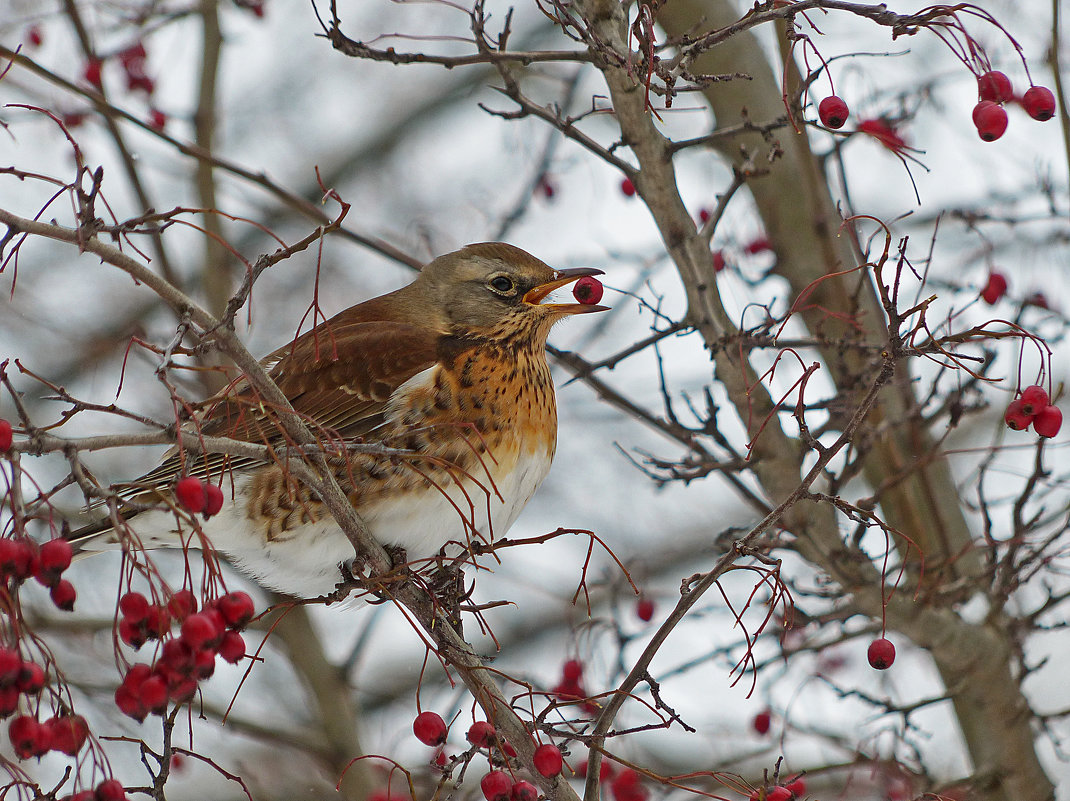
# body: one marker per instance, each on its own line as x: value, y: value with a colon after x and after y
x: 497, y: 290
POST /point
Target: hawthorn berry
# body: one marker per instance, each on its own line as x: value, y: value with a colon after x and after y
x: 157, y: 622
x: 204, y: 663
x: 55, y: 557
x: 991, y: 121
x: 10, y: 666
x: 1039, y: 103
x: 797, y: 787
x: 31, y: 679
x: 496, y: 786
x: 1015, y: 417
x: 572, y: 670
x: 5, y: 435
x: 1048, y: 421
x: 627, y: 187
x: 232, y: 648
x: 833, y: 112
x: 762, y: 722
x: 110, y: 790
x: 25, y: 735
x: 481, y: 734
x: 981, y: 106
x: 627, y: 786
x: 644, y: 609
x: 152, y: 693
x: 719, y: 262
x: 158, y: 121
x: 198, y: 631
x: 1034, y: 398
x: 237, y: 609
x: 429, y: 728
x: 995, y: 86
x: 587, y: 290
x: 884, y: 132
x: 67, y: 733
x: 881, y: 653
x: 605, y: 770
x: 547, y: 759
x: 758, y: 245
x: 190, y: 494
x: 524, y: 791
x: 92, y: 72
x: 9, y: 701
x: 130, y: 704
x: 995, y: 289
x: 63, y: 595
x: 704, y: 216
x: 134, y: 606
x: 34, y: 36
x: 213, y: 498
x: 778, y: 794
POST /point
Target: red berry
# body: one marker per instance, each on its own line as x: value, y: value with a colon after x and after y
x: 213, y: 497
x: 182, y: 691
x: 1038, y: 299
x: 833, y: 112
x: 34, y: 37
x: 133, y: 56
x: 762, y: 722
x: 429, y: 728
x: 190, y: 494
x: 547, y: 759
x: 881, y: 653
x: 182, y: 604
x: 719, y: 262
x: 995, y: 87
x: 24, y: 733
x: 237, y: 609
x: 991, y: 121
x: 152, y: 693
x: 67, y: 733
x: 133, y: 634
x: 137, y: 675
x: 496, y: 786
x: 979, y: 108
x: 644, y: 609
x: 995, y: 289
x: 1015, y: 417
x: 883, y: 132
x: 704, y: 216
x: 158, y: 121
x: 92, y: 72
x: 587, y: 290
x: 797, y: 787
x: 481, y: 734
x: 134, y: 607
x: 572, y: 670
x: 232, y: 648
x: 10, y: 666
x: 110, y: 790
x: 778, y: 794
x: 63, y: 595
x: 31, y: 678
x: 176, y: 657
x: 627, y: 786
x: 524, y: 791
x: 9, y: 700
x: 1048, y: 421
x: 130, y: 704
x: 1034, y: 398
x: 157, y: 622
x: 627, y: 187
x: 5, y: 435
x: 204, y: 663
x: 55, y: 556
x: 1039, y: 103
x: 758, y: 245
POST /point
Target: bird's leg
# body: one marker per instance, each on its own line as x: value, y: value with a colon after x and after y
x: 354, y: 575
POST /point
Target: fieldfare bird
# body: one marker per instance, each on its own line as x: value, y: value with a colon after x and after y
x: 448, y: 374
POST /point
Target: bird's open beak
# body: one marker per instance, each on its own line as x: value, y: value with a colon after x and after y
x: 562, y: 278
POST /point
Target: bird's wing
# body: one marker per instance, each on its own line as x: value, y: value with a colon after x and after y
x: 338, y: 378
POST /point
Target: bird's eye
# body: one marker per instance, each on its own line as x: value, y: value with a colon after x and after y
x: 502, y: 283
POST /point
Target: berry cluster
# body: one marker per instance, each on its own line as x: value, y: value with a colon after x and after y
x: 198, y: 496
x: 1034, y: 407
x: 993, y: 90
x: 133, y: 60
x: 21, y: 558
x: 33, y: 738
x: 183, y: 660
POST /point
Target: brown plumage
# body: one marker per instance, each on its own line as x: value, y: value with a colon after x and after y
x: 450, y: 370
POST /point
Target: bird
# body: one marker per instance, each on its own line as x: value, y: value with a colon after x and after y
x: 447, y: 374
